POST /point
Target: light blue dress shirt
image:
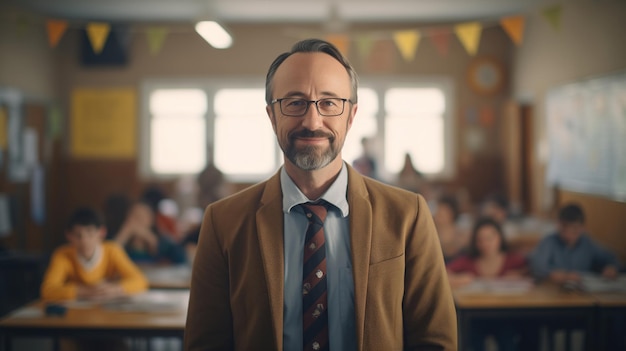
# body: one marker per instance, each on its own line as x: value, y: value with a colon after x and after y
x: 340, y: 284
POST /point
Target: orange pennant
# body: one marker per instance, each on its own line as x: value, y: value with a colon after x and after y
x: 469, y: 35
x: 514, y: 27
x: 98, y: 33
x: 340, y: 41
x: 441, y: 39
x: 56, y: 29
x: 407, y: 42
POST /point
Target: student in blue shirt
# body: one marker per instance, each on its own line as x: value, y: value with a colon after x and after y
x: 563, y: 256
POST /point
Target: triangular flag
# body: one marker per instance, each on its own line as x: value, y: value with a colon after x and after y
x: 340, y: 41
x: 55, y: 121
x: 156, y: 37
x: 514, y: 27
x: 407, y: 42
x: 98, y: 32
x: 364, y: 45
x: 469, y: 35
x: 553, y: 15
x: 441, y: 39
x: 56, y: 29
x: 4, y: 121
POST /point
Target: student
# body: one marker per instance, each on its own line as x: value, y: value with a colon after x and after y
x: 563, y: 256
x: 453, y: 240
x: 488, y: 257
x: 88, y: 267
x: 318, y: 256
x: 143, y: 242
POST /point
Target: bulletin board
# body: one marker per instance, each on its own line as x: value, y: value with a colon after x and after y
x: 103, y: 123
x: 586, y: 128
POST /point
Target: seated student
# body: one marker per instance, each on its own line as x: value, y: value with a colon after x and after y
x: 453, y: 240
x: 88, y: 267
x: 143, y: 242
x: 496, y: 206
x: 488, y: 257
x: 562, y: 256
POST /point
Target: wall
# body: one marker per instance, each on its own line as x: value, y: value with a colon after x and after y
x: 589, y: 43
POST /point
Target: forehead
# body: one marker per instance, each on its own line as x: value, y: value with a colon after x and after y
x: 306, y: 72
x: 83, y: 229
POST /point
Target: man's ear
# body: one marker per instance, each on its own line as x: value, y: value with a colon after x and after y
x: 272, y: 117
x: 355, y: 107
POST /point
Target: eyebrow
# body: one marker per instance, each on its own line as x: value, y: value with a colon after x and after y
x: 299, y: 94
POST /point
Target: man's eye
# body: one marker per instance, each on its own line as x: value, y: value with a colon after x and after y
x: 328, y: 103
x: 296, y: 103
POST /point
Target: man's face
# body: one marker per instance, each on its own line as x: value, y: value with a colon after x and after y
x: 312, y: 141
x: 569, y: 232
x: 85, y: 238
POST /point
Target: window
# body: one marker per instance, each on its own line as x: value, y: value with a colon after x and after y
x: 187, y: 124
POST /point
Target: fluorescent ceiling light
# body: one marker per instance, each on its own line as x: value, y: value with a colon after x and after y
x: 214, y: 34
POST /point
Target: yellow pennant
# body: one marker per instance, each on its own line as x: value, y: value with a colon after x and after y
x: 98, y: 32
x: 407, y: 42
x: 469, y: 35
x: 340, y: 41
x: 156, y: 37
x: 56, y: 29
x: 514, y: 27
x: 553, y: 15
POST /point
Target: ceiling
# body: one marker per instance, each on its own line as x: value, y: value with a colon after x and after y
x: 278, y: 11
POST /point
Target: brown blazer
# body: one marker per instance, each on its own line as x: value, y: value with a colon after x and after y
x: 402, y: 298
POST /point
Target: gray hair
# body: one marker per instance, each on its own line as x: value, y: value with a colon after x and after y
x: 312, y: 45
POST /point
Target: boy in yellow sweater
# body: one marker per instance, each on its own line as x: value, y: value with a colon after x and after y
x: 88, y: 267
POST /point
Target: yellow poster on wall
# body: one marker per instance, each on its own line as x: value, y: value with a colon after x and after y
x: 103, y: 123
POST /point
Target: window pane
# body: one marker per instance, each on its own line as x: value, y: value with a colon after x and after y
x: 244, y: 139
x: 422, y: 137
x: 177, y: 145
x: 415, y: 101
x: 244, y: 146
x: 249, y: 102
x: 173, y: 102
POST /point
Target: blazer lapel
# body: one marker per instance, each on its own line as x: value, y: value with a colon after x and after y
x: 360, y: 242
x: 269, y: 219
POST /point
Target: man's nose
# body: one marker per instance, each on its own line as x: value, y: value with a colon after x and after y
x: 312, y: 119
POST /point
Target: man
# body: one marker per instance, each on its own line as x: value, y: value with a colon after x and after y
x: 380, y: 283
x: 563, y: 256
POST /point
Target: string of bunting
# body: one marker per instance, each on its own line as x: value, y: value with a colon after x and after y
x: 407, y: 41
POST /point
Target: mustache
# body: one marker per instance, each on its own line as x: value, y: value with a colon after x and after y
x: 306, y: 133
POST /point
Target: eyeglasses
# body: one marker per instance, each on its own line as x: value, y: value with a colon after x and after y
x: 327, y: 107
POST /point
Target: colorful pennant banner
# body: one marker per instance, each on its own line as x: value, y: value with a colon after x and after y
x: 553, y: 15
x: 407, y: 42
x: 514, y: 27
x: 469, y: 35
x: 440, y: 37
x: 156, y: 37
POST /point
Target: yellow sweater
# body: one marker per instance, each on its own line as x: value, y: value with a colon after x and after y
x: 65, y: 272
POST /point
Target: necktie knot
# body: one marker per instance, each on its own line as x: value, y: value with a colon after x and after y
x: 316, y: 210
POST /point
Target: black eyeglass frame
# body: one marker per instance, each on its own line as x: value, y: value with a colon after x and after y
x: 308, y: 103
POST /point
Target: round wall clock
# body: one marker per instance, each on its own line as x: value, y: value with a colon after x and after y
x: 485, y: 76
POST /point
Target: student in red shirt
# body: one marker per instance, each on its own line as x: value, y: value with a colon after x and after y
x: 488, y: 257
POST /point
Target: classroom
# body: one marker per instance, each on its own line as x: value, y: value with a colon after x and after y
x: 504, y: 114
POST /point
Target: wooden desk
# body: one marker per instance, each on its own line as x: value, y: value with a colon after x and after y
x: 167, y: 277
x: 540, y: 306
x: 157, y: 313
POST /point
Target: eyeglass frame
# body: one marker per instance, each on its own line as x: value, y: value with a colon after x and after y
x: 308, y: 103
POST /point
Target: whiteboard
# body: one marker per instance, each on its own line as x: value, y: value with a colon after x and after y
x: 586, y: 128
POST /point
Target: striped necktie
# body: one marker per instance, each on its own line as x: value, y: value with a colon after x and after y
x: 314, y: 297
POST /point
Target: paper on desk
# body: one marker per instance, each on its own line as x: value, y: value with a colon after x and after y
x: 153, y: 301
x: 28, y: 312
x: 597, y: 283
x: 498, y: 286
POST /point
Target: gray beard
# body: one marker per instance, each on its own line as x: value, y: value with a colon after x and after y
x: 309, y: 158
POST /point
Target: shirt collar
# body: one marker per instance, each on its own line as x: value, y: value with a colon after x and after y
x: 336, y: 194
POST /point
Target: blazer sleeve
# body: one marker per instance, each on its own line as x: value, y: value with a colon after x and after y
x: 209, y: 318
x: 429, y: 313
